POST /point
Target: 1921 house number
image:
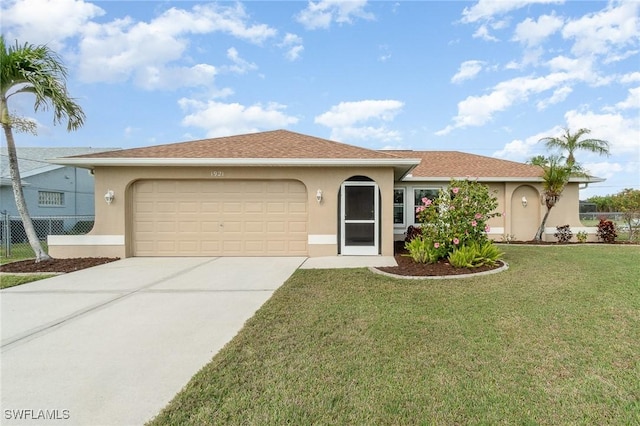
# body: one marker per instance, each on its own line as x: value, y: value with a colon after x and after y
x: 217, y: 173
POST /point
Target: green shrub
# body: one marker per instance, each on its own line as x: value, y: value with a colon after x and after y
x: 488, y: 254
x: 582, y: 236
x: 463, y: 257
x: 422, y: 250
x: 474, y: 255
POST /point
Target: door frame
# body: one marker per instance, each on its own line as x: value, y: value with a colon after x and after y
x: 348, y: 250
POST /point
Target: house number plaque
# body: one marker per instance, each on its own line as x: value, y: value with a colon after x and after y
x: 217, y: 173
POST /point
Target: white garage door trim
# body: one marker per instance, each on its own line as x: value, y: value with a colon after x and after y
x: 220, y: 218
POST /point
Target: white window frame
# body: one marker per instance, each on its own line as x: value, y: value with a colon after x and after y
x: 413, y: 199
x: 403, y: 205
x: 50, y: 199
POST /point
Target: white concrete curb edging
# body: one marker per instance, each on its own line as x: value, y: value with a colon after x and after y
x: 504, y: 267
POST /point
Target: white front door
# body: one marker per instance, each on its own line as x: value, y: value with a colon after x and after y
x: 359, y: 228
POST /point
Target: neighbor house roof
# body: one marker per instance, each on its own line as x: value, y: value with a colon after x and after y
x: 33, y: 160
x: 278, y: 147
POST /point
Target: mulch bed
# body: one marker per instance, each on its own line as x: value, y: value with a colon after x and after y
x: 407, y: 267
x: 55, y: 265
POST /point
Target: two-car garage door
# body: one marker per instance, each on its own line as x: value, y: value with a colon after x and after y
x: 219, y: 218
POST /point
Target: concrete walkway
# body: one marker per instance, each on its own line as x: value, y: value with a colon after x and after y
x: 112, y: 345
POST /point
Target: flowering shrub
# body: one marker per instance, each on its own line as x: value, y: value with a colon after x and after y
x: 458, y: 215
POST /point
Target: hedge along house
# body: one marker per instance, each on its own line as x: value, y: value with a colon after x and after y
x: 281, y: 193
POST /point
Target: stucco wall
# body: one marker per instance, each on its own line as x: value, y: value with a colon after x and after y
x: 518, y: 221
x: 116, y: 219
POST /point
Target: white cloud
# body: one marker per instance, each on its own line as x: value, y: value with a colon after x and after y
x: 46, y: 21
x: 240, y: 66
x: 487, y: 9
x: 603, y: 169
x: 608, y: 32
x: 117, y: 50
x: 558, y: 96
x: 222, y: 119
x: 293, y: 44
x: 483, y: 33
x: 632, y: 101
x: 322, y: 13
x: 532, y: 33
x: 630, y: 78
x: 478, y: 110
x: 349, y: 113
x: 165, y: 78
x: 467, y: 71
x: 523, y: 150
x: 621, y: 132
x: 352, y: 120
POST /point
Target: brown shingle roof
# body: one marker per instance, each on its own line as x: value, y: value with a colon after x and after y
x: 448, y: 164
x: 273, y: 144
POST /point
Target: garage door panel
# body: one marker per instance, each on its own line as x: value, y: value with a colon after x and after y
x: 219, y: 217
x: 232, y: 208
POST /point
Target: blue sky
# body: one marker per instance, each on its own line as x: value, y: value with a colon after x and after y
x: 485, y: 77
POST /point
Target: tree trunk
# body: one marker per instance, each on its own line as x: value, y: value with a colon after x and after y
x: 542, y: 225
x: 19, y: 196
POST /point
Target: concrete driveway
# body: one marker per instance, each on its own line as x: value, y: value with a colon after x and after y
x: 111, y: 345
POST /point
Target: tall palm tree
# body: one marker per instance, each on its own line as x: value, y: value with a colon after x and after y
x: 571, y: 143
x: 555, y: 177
x: 39, y: 71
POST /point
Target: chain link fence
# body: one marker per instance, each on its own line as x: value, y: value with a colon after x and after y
x: 13, y: 238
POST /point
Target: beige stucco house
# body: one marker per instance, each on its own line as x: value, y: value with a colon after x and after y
x: 281, y: 193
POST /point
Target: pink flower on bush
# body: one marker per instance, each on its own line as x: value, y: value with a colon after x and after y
x: 478, y: 216
x: 420, y: 209
x: 474, y: 223
x: 455, y: 190
x: 436, y: 245
x: 456, y: 241
x: 487, y: 229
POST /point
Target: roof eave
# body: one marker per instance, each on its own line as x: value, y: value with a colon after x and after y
x: 575, y: 179
x: 401, y: 166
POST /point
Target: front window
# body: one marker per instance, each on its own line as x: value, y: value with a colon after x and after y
x: 419, y: 194
x: 398, y: 206
x: 49, y: 198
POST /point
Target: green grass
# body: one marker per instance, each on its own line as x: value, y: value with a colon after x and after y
x: 19, y: 251
x: 7, y: 281
x: 553, y: 340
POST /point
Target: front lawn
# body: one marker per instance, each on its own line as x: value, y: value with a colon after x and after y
x: 7, y: 281
x: 553, y: 340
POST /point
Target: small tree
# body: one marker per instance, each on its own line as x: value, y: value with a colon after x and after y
x: 628, y: 201
x: 39, y: 71
x: 555, y: 177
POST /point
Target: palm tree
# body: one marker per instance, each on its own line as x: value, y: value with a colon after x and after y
x: 555, y: 178
x: 39, y: 71
x: 571, y: 143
